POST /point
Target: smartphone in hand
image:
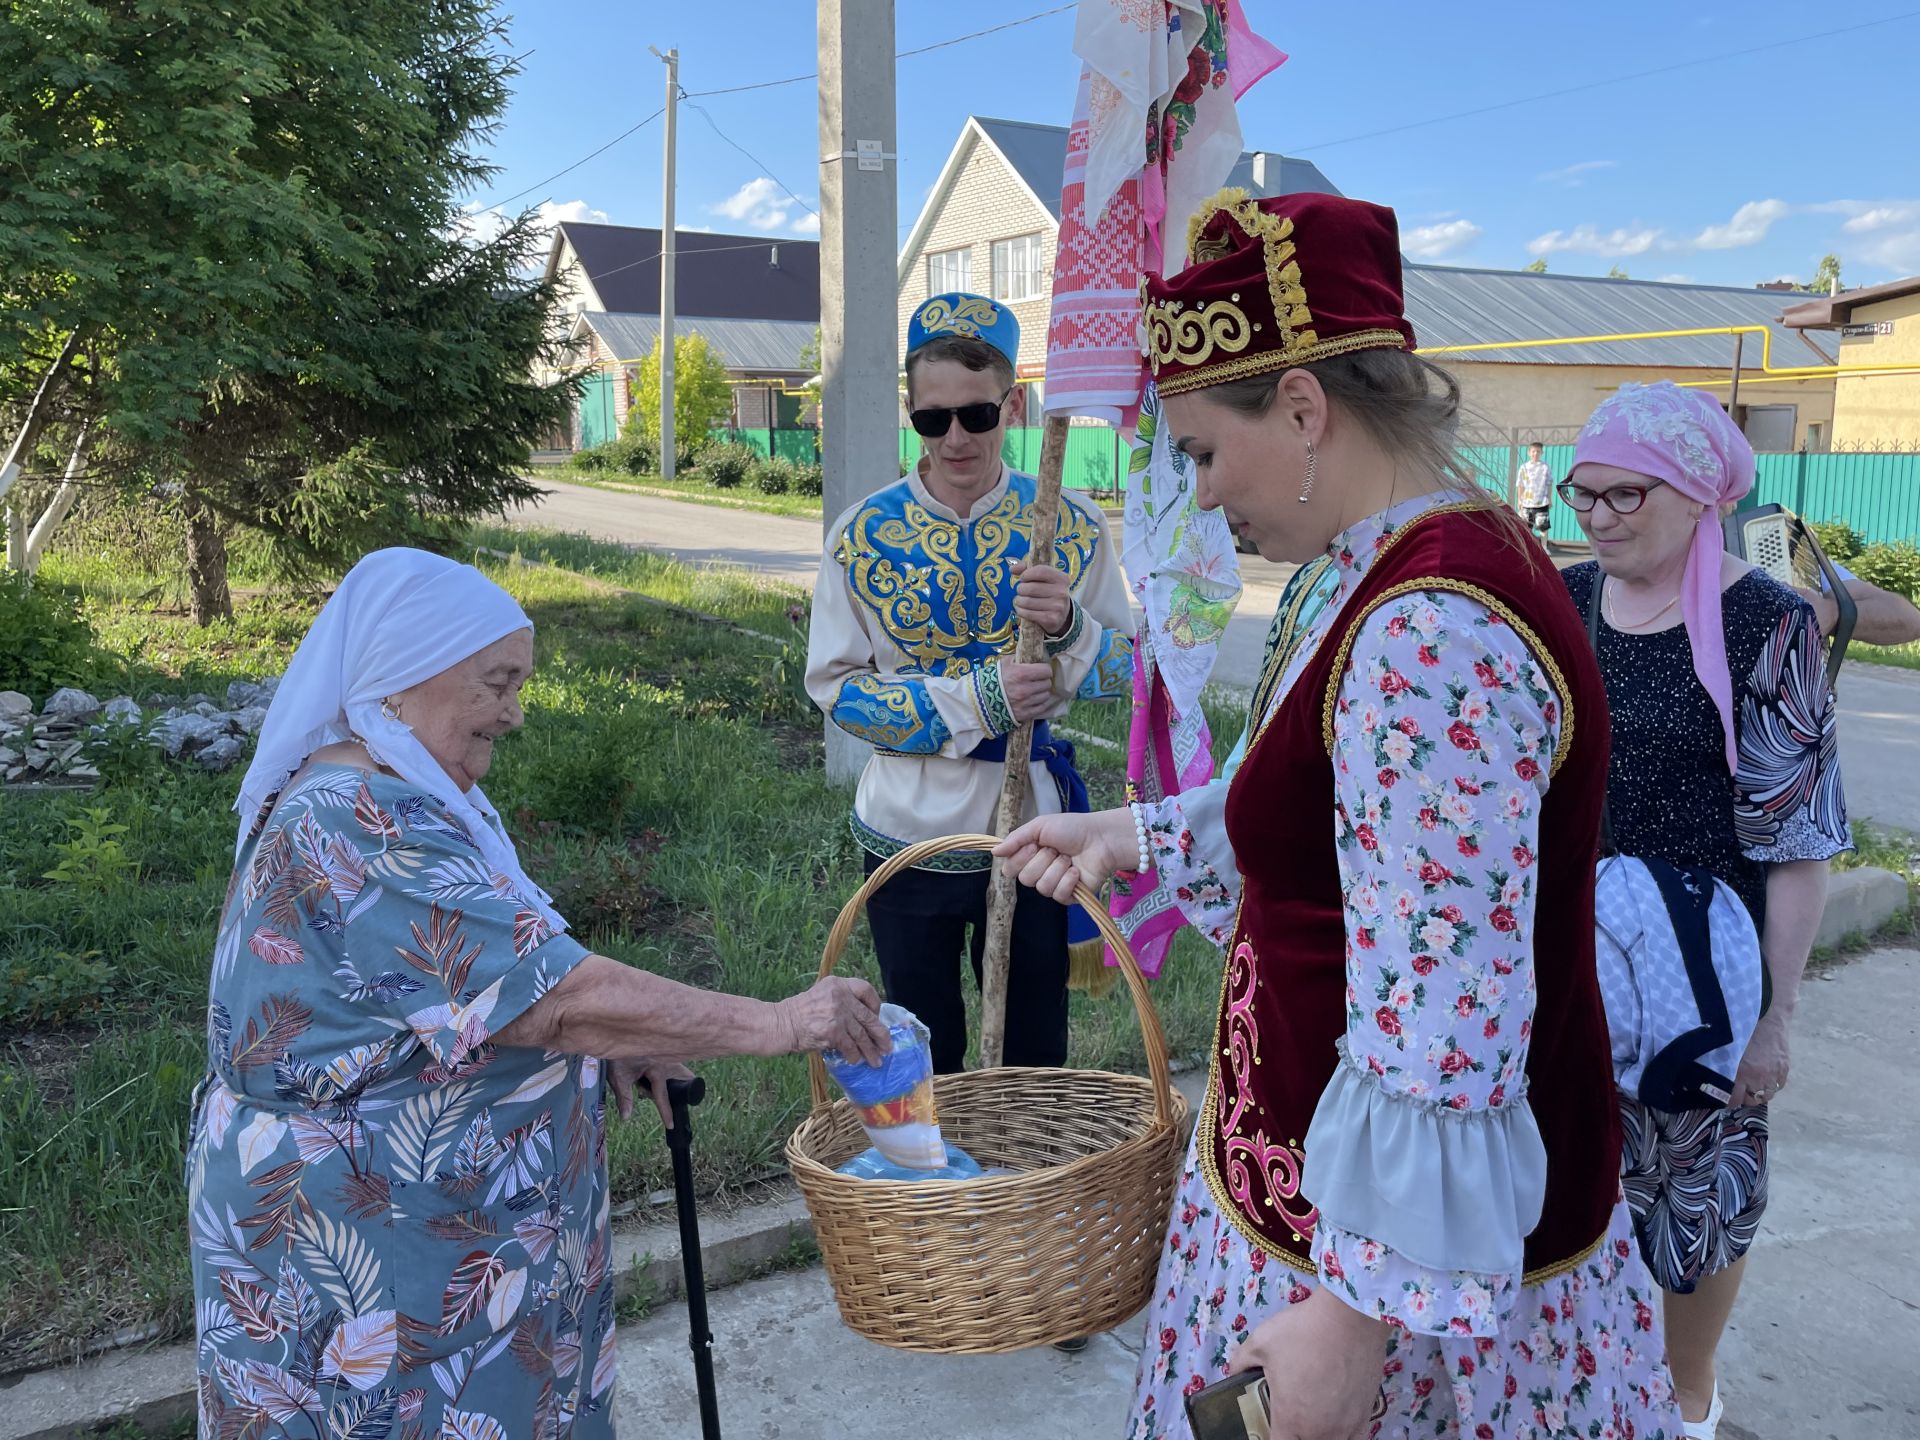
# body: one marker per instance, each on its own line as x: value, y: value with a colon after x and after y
x: 1231, y: 1409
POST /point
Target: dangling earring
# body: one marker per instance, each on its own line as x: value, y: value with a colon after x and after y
x: 1307, y: 489
x: 389, y: 709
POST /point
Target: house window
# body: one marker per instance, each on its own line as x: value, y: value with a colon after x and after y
x: 1016, y: 268
x: 949, y: 271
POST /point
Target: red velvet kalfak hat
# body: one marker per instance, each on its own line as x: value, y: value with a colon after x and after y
x: 1273, y: 284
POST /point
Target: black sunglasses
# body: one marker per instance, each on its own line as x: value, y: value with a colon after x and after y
x: 975, y: 419
x: 1621, y: 499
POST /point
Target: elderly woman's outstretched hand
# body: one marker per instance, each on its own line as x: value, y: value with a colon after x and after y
x: 835, y: 1013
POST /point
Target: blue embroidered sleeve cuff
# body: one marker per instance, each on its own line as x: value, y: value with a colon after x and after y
x: 1111, y: 677
x: 893, y: 714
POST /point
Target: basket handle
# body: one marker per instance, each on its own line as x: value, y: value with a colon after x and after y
x: 849, y: 916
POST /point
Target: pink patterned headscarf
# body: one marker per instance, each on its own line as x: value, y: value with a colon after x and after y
x: 1684, y: 438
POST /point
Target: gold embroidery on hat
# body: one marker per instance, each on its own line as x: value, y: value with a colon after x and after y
x: 969, y: 318
x: 1180, y: 336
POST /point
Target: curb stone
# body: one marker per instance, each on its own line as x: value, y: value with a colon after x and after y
x: 155, y: 1387
x: 1859, y: 902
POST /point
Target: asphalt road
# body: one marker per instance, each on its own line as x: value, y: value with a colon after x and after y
x: 1879, y: 706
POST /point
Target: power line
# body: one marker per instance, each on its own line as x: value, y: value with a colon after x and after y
x: 761, y: 164
x: 770, y: 85
x: 900, y: 55
x: 1600, y: 84
x: 582, y: 160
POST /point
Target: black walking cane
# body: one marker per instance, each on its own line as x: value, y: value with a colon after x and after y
x: 682, y: 1096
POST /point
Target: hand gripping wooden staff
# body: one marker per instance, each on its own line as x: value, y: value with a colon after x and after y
x: 1003, y: 890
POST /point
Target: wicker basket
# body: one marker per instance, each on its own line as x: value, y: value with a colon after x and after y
x: 1066, y: 1247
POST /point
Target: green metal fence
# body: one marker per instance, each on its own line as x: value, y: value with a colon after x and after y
x: 1877, y: 494
x: 1095, y: 459
x: 802, y: 446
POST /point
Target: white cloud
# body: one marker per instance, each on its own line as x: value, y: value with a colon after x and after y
x: 1889, y: 231
x: 1677, y: 279
x: 808, y: 224
x: 1749, y: 226
x: 1591, y: 240
x: 1575, y: 174
x: 1430, y: 242
x: 759, y: 203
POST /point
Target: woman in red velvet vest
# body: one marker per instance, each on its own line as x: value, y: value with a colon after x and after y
x: 1403, y: 1198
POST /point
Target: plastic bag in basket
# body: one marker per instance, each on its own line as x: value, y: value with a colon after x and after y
x: 895, y: 1097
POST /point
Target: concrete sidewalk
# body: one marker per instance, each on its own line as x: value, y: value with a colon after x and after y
x: 1821, y: 1346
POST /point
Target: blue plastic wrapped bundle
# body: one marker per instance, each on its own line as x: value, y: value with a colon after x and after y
x: 870, y: 1164
x: 895, y: 1097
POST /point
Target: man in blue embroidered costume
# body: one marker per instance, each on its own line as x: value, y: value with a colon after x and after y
x: 914, y: 616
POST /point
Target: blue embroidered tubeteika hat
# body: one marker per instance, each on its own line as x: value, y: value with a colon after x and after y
x: 972, y: 316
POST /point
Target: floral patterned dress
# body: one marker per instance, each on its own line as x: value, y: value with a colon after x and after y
x: 1433, y: 862
x: 399, y: 1229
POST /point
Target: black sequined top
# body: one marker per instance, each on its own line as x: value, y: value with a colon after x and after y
x: 1668, y: 790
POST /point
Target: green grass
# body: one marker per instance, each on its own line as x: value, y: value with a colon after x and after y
x: 1885, y: 846
x: 1906, y: 657
x: 667, y: 787
x: 694, y: 487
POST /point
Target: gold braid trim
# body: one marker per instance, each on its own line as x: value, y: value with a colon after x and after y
x: 1209, y: 1125
x: 1496, y: 606
x: 1222, y: 371
x: 1556, y: 1268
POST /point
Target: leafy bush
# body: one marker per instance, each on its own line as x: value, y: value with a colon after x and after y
x: 594, y: 457
x: 727, y: 465
x: 45, y: 642
x: 1891, y: 567
x: 776, y: 476
x: 1840, y: 540
x: 93, y: 858
x: 809, y: 480
x: 632, y: 453
x: 636, y: 454
x: 56, y: 988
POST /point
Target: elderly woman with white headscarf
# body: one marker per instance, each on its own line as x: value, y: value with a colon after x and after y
x: 397, y: 1162
x: 1725, y: 760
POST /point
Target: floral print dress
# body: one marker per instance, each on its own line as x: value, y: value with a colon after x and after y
x: 399, y: 1228
x: 1434, y: 862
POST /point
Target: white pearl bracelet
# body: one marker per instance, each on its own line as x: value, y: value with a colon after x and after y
x: 1139, y: 813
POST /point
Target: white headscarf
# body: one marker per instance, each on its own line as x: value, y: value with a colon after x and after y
x: 399, y: 617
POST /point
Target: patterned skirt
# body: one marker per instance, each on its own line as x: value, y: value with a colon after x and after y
x: 1579, y: 1355
x: 1696, y: 1181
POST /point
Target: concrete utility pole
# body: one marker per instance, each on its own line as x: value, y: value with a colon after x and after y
x: 672, y: 60
x: 859, y: 308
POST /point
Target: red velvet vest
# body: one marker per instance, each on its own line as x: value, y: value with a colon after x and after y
x: 1283, y: 1001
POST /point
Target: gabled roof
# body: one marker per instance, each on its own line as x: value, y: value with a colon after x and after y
x: 1037, y: 155
x: 748, y: 347
x: 740, y: 277
x: 1830, y: 311
x: 1451, y: 305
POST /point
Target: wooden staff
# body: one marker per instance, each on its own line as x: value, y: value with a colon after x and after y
x: 1003, y: 891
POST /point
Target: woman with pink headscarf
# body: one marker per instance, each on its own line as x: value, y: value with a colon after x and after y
x: 1725, y: 759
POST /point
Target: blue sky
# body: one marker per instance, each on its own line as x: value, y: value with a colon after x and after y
x: 1731, y: 172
